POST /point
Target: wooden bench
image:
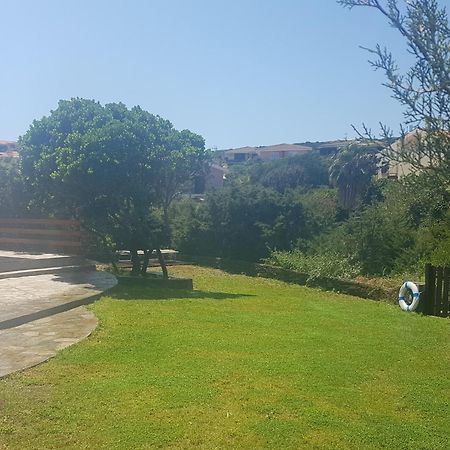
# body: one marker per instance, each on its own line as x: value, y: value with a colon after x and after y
x: 49, y: 235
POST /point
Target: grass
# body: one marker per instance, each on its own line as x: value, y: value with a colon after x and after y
x: 239, y: 363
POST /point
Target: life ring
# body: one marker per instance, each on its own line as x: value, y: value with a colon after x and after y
x: 408, y: 286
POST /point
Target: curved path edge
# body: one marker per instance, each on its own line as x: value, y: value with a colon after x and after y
x: 44, y: 314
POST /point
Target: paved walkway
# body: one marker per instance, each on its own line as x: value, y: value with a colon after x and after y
x: 42, y: 314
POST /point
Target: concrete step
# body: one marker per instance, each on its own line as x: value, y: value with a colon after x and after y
x: 47, y: 270
x: 12, y: 261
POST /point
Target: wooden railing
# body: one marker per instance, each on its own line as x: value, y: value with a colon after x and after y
x: 436, y: 295
x: 40, y: 235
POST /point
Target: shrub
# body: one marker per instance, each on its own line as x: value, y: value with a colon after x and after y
x: 14, y: 199
x: 309, y: 170
x: 239, y: 222
x: 330, y: 265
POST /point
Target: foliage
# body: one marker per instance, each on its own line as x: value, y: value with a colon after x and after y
x: 351, y: 172
x: 396, y: 227
x: 111, y: 167
x: 242, y: 222
x: 321, y: 211
x: 397, y: 231
x: 191, y: 227
x: 378, y: 236
x: 13, y: 196
x: 308, y: 170
x: 434, y: 239
x: 424, y: 89
x: 269, y: 364
x: 326, y: 265
x: 441, y: 254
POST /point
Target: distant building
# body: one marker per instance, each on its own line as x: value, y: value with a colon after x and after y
x: 264, y: 153
x: 332, y: 148
x: 8, y: 149
x: 395, y: 170
x: 213, y: 179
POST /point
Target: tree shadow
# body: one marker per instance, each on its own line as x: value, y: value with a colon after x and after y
x: 103, y: 281
x: 150, y: 293
x: 91, y: 279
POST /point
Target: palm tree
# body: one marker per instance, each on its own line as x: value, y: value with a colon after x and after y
x: 351, y: 172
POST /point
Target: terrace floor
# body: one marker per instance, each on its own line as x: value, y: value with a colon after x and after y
x: 41, y: 314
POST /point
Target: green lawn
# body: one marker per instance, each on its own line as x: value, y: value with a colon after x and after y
x: 240, y: 363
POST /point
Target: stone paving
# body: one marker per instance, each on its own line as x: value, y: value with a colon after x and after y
x: 26, y: 345
x: 42, y: 314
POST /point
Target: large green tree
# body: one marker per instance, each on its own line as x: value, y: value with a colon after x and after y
x: 423, y: 89
x: 112, y: 167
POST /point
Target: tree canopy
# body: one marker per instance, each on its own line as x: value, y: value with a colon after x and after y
x: 13, y: 198
x: 308, y: 170
x: 351, y: 172
x: 424, y: 88
x: 112, y: 167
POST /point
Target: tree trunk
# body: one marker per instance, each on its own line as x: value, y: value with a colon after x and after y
x: 145, y: 262
x: 162, y: 263
x: 136, y: 264
x: 167, y: 230
x: 114, y: 266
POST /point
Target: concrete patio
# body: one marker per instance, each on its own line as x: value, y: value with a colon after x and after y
x: 43, y: 312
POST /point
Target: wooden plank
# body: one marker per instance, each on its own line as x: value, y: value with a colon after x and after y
x: 40, y: 242
x: 48, y: 222
x: 438, y: 295
x: 430, y: 284
x: 445, y: 299
x: 40, y: 232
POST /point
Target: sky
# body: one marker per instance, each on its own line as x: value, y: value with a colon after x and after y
x: 238, y: 72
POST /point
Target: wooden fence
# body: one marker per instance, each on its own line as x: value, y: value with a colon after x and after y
x: 436, y: 296
x: 40, y: 235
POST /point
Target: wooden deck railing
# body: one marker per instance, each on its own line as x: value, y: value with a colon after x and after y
x: 40, y: 234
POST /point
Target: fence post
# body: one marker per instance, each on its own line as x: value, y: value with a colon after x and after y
x: 445, y: 297
x: 438, y: 295
x: 429, y: 294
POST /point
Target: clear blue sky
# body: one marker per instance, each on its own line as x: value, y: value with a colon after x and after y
x: 238, y: 72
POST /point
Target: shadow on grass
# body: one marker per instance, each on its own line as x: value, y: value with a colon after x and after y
x: 349, y: 287
x: 144, y: 293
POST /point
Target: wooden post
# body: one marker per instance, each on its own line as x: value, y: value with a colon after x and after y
x: 445, y: 298
x: 438, y: 294
x: 430, y: 280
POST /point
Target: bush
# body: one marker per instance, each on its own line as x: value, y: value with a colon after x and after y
x: 381, y: 237
x: 14, y: 200
x: 330, y: 265
x: 239, y: 222
x: 309, y: 170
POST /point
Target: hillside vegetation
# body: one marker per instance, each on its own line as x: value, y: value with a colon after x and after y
x: 297, y: 213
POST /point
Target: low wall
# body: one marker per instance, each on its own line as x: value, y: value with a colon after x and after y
x: 45, y: 235
x: 265, y: 271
